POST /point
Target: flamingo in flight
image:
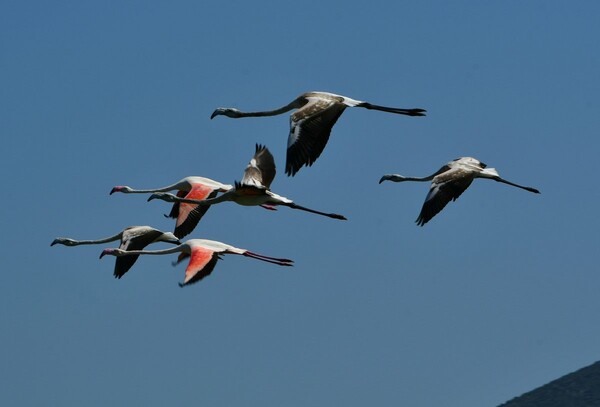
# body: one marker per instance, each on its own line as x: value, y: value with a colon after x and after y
x: 254, y: 189
x: 132, y: 238
x: 203, y: 255
x: 311, y: 123
x: 187, y: 215
x: 449, y: 182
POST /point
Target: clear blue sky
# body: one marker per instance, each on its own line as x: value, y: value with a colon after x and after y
x: 496, y: 295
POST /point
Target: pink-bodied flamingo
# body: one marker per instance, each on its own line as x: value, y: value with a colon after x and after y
x: 203, y: 255
x: 449, y: 182
x: 187, y: 215
x: 254, y: 189
x: 132, y: 238
x: 311, y: 124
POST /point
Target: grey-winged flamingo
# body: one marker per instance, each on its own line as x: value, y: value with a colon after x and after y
x: 132, y: 238
x: 449, y: 182
x: 311, y: 123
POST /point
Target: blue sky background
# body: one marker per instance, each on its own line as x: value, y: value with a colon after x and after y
x: 495, y: 296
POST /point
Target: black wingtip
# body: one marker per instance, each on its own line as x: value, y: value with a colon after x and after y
x: 291, y: 170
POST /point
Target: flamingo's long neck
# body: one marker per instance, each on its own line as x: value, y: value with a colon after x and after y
x: 98, y: 241
x: 293, y: 105
x: 147, y: 191
x: 401, y: 178
x: 227, y: 196
x: 419, y: 179
x: 155, y: 252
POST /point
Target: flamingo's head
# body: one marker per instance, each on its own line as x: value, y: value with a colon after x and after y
x: 169, y: 238
x: 112, y: 252
x: 226, y: 111
x: 64, y: 241
x: 392, y: 177
x: 165, y: 196
x: 120, y: 188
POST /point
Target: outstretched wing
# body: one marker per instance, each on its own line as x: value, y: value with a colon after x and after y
x: 445, y: 187
x: 133, y: 239
x: 310, y: 127
x: 175, y: 208
x: 260, y: 172
x: 188, y: 214
x: 202, y: 263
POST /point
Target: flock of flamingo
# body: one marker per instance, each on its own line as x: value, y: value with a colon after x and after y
x: 310, y: 126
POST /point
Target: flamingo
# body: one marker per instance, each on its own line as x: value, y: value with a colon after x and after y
x: 132, y: 237
x: 311, y: 124
x: 449, y: 182
x: 203, y: 256
x: 187, y: 215
x: 254, y: 189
